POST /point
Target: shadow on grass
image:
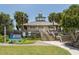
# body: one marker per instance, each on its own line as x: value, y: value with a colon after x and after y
x: 70, y: 45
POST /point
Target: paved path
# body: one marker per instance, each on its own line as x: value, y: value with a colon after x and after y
x: 73, y: 51
x: 34, y: 44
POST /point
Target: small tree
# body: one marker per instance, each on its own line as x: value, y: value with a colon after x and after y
x: 55, y: 17
x: 5, y: 22
x: 71, y: 24
x: 70, y: 21
x: 52, y: 17
x: 21, y: 18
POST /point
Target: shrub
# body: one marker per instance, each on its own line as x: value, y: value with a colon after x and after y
x: 1, y: 38
x: 13, y: 42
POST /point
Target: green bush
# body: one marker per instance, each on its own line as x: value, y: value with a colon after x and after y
x: 25, y: 41
x: 1, y: 38
x: 7, y: 39
x: 28, y: 40
x: 32, y: 38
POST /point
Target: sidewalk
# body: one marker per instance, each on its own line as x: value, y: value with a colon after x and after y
x: 73, y: 51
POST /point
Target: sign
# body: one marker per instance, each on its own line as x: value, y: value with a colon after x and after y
x: 15, y: 36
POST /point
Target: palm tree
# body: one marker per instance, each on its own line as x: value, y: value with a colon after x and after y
x: 21, y: 18
x: 4, y: 21
x: 52, y: 17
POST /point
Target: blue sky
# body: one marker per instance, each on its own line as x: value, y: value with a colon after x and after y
x: 32, y: 9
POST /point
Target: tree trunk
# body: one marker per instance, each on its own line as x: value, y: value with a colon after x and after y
x: 23, y: 33
x: 73, y: 35
x: 77, y: 37
x: 53, y: 23
x: 4, y: 34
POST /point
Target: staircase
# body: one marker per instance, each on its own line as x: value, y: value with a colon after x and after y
x: 45, y: 35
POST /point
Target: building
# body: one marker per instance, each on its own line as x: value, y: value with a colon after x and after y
x: 40, y: 26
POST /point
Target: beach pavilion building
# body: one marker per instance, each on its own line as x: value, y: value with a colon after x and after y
x: 40, y: 25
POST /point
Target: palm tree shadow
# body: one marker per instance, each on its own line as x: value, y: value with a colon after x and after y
x: 70, y: 45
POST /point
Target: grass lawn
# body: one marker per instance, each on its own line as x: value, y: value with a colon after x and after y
x: 32, y: 50
x: 24, y: 41
x: 27, y: 41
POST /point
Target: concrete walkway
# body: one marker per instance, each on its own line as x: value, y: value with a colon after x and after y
x: 73, y: 51
x: 34, y: 44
